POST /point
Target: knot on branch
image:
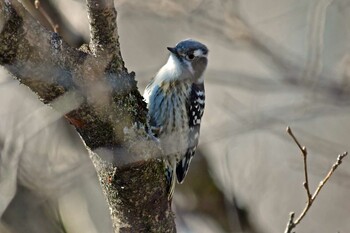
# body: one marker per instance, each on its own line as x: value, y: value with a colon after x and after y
x: 56, y: 42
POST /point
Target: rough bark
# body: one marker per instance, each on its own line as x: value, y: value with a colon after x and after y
x: 103, y: 104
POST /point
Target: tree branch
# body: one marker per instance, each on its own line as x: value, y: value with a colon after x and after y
x: 38, y: 58
x: 111, y: 117
x: 310, y: 198
x: 103, y: 30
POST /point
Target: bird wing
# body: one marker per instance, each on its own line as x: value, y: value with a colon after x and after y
x: 153, y: 117
x: 195, y: 109
x: 148, y: 90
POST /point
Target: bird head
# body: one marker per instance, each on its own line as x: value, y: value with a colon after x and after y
x: 192, y: 57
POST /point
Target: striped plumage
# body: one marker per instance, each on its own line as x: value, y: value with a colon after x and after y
x: 175, y: 100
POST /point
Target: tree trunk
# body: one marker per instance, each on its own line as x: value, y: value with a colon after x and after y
x: 94, y: 91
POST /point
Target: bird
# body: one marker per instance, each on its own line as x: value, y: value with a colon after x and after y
x: 175, y: 99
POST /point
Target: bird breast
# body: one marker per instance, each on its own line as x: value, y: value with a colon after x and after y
x: 168, y: 112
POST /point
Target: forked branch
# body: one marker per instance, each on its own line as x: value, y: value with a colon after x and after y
x: 310, y: 197
x: 110, y: 113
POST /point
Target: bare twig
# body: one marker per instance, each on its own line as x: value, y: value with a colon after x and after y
x: 290, y: 224
x: 310, y: 198
x: 46, y: 16
x: 304, y: 154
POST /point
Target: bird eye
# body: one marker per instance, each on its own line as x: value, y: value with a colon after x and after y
x: 190, y: 57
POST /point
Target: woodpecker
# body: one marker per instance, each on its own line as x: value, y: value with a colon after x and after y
x: 176, y: 98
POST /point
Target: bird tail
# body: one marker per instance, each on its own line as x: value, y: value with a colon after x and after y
x: 177, y: 170
x: 170, y: 174
x: 183, y: 165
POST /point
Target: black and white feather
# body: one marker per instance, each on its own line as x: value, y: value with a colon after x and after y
x: 176, y: 100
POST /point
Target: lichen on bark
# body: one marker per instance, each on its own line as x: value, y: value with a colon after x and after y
x: 112, y: 114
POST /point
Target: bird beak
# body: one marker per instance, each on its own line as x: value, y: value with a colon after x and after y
x: 172, y: 50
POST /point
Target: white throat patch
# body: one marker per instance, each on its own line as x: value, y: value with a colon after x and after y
x: 170, y: 71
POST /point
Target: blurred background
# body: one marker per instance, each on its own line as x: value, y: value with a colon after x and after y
x: 272, y: 64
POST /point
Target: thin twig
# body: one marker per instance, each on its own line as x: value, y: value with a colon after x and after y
x: 46, y: 16
x: 303, y: 149
x: 290, y: 224
x: 310, y: 198
x: 304, y: 154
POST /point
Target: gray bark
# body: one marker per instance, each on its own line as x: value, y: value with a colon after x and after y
x: 111, y: 114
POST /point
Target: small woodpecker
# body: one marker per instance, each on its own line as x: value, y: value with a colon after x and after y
x: 175, y: 98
